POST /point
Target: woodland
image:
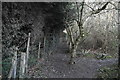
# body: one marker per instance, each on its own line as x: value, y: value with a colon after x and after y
x: 60, y: 39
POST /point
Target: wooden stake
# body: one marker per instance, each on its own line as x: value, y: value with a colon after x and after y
x: 27, y: 51
x: 39, y: 53
x: 22, y: 65
x: 14, y: 65
x: 11, y: 70
x: 44, y: 46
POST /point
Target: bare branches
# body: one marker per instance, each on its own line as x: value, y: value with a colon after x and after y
x: 83, y: 12
x: 90, y: 7
x: 80, y: 21
x: 115, y: 7
x: 95, y: 12
x: 70, y: 35
x: 100, y: 9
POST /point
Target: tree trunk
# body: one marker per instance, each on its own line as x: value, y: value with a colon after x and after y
x: 76, y: 41
x: 74, y: 48
x: 73, y: 54
x: 119, y: 36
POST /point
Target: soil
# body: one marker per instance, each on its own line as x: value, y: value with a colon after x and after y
x: 57, y: 66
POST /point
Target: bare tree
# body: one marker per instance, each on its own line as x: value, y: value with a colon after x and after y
x: 80, y: 19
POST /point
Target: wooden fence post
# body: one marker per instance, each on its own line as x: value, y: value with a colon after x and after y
x: 15, y: 63
x: 13, y: 69
x: 27, y: 52
x: 22, y: 65
x: 44, y: 53
x: 39, y: 53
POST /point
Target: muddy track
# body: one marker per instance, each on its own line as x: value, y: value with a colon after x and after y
x: 56, y: 66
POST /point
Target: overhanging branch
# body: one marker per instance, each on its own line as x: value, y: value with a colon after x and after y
x: 93, y: 12
x: 99, y: 10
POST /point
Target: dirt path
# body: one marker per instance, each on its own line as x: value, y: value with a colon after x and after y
x: 56, y: 66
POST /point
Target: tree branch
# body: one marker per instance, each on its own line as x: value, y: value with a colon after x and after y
x: 93, y: 12
x: 99, y: 10
x: 96, y: 11
x: 90, y: 7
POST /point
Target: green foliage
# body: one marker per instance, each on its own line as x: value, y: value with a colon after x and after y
x: 96, y: 55
x: 14, y: 18
x: 32, y: 60
x: 103, y: 56
x: 108, y: 72
x: 18, y: 20
x: 90, y: 55
x: 6, y: 66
